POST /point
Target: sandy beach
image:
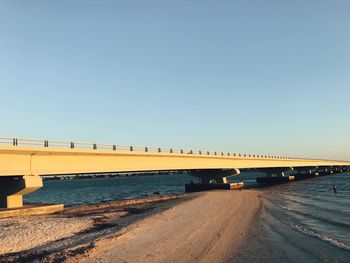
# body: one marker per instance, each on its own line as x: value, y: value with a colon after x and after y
x: 209, y: 228
x: 200, y: 227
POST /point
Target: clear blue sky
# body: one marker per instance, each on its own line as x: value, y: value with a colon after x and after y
x: 242, y: 76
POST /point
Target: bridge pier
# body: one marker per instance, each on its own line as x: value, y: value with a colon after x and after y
x: 306, y: 170
x: 276, y: 172
x: 208, y: 176
x: 275, y: 175
x: 13, y: 188
x: 326, y: 170
x: 339, y: 169
x: 213, y: 179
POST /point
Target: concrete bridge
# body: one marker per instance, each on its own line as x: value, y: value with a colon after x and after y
x: 23, y: 161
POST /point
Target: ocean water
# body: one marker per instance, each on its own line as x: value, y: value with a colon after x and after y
x: 310, y: 219
x: 305, y: 220
x: 95, y: 190
x: 88, y: 191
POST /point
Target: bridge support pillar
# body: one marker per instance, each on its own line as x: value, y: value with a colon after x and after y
x: 214, y: 175
x: 213, y: 179
x: 324, y: 170
x: 306, y: 170
x: 276, y: 172
x: 13, y: 188
x: 339, y: 169
x: 275, y: 175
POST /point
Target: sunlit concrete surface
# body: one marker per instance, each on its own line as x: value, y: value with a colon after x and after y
x: 23, y: 161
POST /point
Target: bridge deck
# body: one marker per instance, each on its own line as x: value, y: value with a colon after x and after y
x: 22, y: 161
x: 29, y: 160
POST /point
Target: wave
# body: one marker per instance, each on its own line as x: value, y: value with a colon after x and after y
x: 308, y: 201
x: 325, y: 238
x: 335, y: 214
x: 285, y: 208
x: 324, y: 219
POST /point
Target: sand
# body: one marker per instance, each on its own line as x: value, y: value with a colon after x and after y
x: 19, y: 234
x: 57, y: 237
x: 199, y: 227
x: 209, y: 228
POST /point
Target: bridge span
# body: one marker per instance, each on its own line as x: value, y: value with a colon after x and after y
x: 24, y: 161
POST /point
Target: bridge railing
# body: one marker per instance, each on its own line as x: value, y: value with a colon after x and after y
x: 116, y: 147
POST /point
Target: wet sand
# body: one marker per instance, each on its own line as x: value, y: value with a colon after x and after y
x: 200, y: 227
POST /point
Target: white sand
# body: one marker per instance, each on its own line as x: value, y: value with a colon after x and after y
x: 21, y: 233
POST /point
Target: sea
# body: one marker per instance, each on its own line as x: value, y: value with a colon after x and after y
x: 306, y: 220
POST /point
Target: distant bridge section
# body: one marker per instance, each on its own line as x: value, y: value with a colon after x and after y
x: 23, y: 161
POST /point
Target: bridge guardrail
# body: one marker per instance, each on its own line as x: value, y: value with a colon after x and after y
x: 9, y: 141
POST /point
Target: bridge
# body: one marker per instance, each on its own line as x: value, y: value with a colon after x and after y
x: 23, y: 162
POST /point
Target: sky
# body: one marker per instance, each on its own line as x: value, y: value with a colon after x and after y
x: 245, y: 76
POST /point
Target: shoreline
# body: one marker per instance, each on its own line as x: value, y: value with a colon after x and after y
x: 110, y: 224
x: 259, y: 244
x: 91, y: 232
